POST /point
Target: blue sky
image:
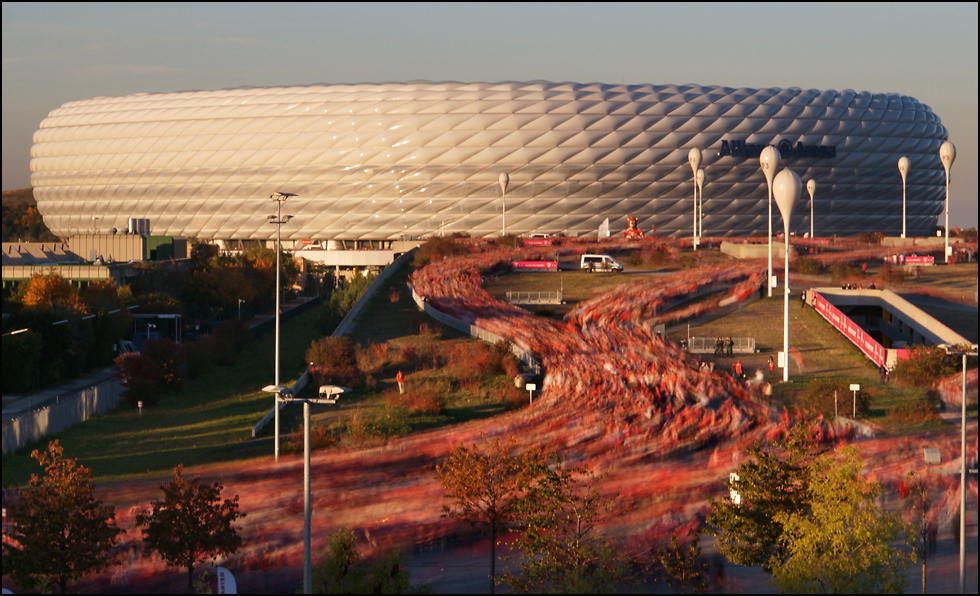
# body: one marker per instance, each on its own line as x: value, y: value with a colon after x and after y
x: 54, y: 53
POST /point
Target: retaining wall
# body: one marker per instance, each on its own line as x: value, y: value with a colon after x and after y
x: 69, y: 409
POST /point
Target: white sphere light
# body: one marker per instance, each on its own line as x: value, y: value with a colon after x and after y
x: 786, y: 189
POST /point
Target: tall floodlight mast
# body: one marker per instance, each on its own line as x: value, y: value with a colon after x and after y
x: 769, y: 160
x: 503, y: 179
x: 903, y: 168
x: 947, y: 154
x: 787, y: 189
x: 694, y: 158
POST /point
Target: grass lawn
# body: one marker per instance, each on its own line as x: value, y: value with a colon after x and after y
x: 399, y: 323
x: 210, y: 422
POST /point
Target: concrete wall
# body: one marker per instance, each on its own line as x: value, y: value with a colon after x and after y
x: 68, y: 410
x: 907, y: 318
x: 117, y: 247
x: 754, y: 251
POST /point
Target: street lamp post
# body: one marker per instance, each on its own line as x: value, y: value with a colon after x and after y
x: 278, y: 219
x: 503, y: 179
x: 787, y: 189
x: 699, y: 178
x: 811, y: 187
x: 903, y: 168
x: 769, y: 160
x: 327, y: 395
x: 694, y: 158
x: 947, y: 154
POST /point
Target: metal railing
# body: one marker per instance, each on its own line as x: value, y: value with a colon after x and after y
x: 707, y: 345
x: 534, y: 297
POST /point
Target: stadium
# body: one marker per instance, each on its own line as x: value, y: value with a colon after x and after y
x: 404, y: 160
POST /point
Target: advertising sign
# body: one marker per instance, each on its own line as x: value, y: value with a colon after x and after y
x: 535, y: 265
x: 917, y: 260
x: 538, y: 242
x: 859, y: 337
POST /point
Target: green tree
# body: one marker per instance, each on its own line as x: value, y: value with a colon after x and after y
x: 191, y: 524
x: 684, y: 566
x: 344, y: 572
x: 486, y: 488
x: 774, y: 481
x: 843, y: 543
x: 60, y: 531
x: 562, y: 551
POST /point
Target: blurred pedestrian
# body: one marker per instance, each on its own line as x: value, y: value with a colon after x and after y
x: 401, y: 382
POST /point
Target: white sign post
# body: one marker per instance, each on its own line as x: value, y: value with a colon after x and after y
x: 855, y: 388
x: 530, y: 391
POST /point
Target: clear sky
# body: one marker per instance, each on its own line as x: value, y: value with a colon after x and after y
x: 54, y: 53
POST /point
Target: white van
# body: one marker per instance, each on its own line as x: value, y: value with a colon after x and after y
x: 592, y: 263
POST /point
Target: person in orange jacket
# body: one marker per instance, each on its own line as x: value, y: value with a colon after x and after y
x: 401, y: 382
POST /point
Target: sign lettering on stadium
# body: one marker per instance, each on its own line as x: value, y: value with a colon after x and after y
x: 739, y: 148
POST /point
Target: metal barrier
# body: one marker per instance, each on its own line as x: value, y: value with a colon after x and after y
x: 522, y: 354
x: 534, y: 297
x: 707, y: 345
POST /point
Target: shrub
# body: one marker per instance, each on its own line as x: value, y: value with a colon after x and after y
x: 510, y: 240
x: 891, y: 275
x: 394, y: 295
x: 200, y: 357
x: 918, y: 410
x: 137, y: 373
x: 435, y: 249
x: 368, y: 360
x: 434, y: 330
x: 842, y: 271
x: 806, y: 266
x: 409, y: 356
x: 924, y: 367
x: 168, y: 360
x: 236, y: 332
x: 334, y: 362
x: 426, y: 399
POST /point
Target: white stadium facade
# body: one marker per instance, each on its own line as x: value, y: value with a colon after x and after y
x: 404, y: 160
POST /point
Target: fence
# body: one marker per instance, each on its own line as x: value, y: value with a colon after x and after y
x: 707, y: 345
x: 534, y: 297
x: 345, y: 326
x: 464, y: 327
x: 68, y: 410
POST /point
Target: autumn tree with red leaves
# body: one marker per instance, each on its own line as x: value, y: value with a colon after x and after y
x: 190, y: 524
x: 60, y: 531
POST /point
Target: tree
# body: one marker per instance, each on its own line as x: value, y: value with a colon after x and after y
x: 343, y: 572
x: 486, y: 489
x: 191, y: 524
x: 60, y: 531
x: 774, y: 481
x: 843, y: 543
x: 684, y: 565
x: 562, y: 553
x: 923, y: 517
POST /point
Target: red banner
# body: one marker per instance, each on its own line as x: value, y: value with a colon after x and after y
x: 535, y: 265
x: 917, y: 260
x: 538, y: 242
x: 859, y: 337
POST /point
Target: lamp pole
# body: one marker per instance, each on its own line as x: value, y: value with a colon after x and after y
x: 279, y: 198
x: 903, y: 168
x: 811, y: 187
x: 694, y: 158
x: 327, y: 395
x: 787, y: 191
x: 503, y: 179
x: 769, y: 160
x: 700, y: 180
x: 947, y: 154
